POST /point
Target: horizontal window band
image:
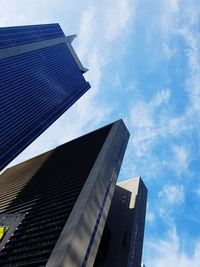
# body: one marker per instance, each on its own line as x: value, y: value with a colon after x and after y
x: 21, y: 49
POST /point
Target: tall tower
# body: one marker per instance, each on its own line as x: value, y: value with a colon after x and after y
x: 55, y: 205
x: 122, y: 241
x: 40, y: 78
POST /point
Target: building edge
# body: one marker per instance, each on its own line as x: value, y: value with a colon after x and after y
x: 83, y: 230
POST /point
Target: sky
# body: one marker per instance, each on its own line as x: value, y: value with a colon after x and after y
x: 144, y: 67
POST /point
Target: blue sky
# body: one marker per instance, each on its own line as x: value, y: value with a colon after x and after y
x: 144, y: 61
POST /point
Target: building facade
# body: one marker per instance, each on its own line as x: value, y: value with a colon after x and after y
x: 55, y: 205
x: 40, y: 78
x: 122, y: 240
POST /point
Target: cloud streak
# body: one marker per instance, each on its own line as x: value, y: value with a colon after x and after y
x: 168, y: 251
x: 172, y: 195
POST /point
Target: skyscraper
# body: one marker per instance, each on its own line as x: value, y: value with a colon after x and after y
x: 56, y: 204
x: 122, y: 241
x: 40, y: 78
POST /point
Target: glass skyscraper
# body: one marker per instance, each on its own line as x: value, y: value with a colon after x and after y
x: 40, y: 78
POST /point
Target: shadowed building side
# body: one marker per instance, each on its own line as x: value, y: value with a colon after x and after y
x: 61, y: 198
x: 122, y: 241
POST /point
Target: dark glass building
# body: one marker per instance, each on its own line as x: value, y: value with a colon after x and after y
x: 122, y: 240
x: 55, y: 205
x: 40, y: 78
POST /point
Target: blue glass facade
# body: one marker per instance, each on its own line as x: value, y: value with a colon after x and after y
x: 14, y: 36
x: 36, y: 87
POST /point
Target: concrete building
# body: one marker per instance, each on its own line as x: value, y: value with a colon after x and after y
x: 56, y: 204
x: 122, y: 240
x: 40, y: 78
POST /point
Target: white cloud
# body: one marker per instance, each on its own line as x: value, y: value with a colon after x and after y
x: 162, y: 20
x: 86, y: 32
x: 197, y: 191
x: 161, y: 97
x: 168, y: 51
x: 192, y: 41
x: 172, y: 195
x: 181, y: 158
x: 150, y: 216
x: 116, y: 23
x: 170, y: 198
x: 179, y: 19
x: 191, y: 11
x: 152, y: 123
x: 144, y: 120
x: 169, y: 11
x: 169, y: 252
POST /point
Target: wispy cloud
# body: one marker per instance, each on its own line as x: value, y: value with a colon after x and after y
x: 181, y: 159
x: 147, y: 126
x: 169, y: 252
x: 197, y: 191
x: 150, y: 216
x: 168, y: 51
x: 170, y: 198
x: 172, y: 195
x: 122, y: 12
x: 154, y: 121
x: 192, y: 42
